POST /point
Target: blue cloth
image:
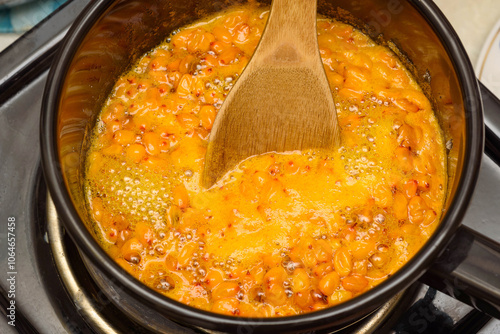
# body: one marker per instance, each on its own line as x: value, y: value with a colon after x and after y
x: 21, y: 15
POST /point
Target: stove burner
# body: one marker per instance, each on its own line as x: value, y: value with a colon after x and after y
x: 46, y: 303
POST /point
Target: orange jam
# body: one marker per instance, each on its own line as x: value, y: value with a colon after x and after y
x: 281, y: 233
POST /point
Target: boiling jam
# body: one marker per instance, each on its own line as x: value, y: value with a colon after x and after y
x: 281, y: 233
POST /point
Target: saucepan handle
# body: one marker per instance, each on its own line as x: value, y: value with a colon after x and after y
x: 491, y: 107
x: 469, y: 268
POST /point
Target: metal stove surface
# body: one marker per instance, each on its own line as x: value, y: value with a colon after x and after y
x: 42, y: 302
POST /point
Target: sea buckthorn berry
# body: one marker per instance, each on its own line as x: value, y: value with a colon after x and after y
x: 124, y: 137
x: 303, y: 299
x: 318, y: 297
x: 123, y: 236
x: 383, y: 195
x: 241, y: 34
x: 416, y: 210
x: 119, y: 222
x: 222, y: 34
x: 235, y: 19
x: 350, y: 94
x: 256, y: 293
x: 198, y: 41
x: 423, y: 182
x: 407, y: 137
x: 228, y: 306
x: 186, y: 253
x: 339, y: 296
x: 354, y: 283
x: 113, y: 150
x: 174, y: 78
x: 329, y: 283
x: 207, y: 116
x: 152, y: 142
x: 248, y: 310
x: 275, y: 276
x: 291, y: 167
x: 111, y: 235
x: 400, y: 206
x: 323, y: 251
x: 135, y: 152
x: 186, y: 65
x: 260, y: 179
x: 181, y: 39
x: 188, y: 121
x: 362, y: 249
x: 308, y: 255
x: 210, y: 61
x: 97, y: 208
x: 249, y: 191
x: 160, y: 61
x: 115, y: 111
x: 300, y: 280
x: 173, y: 66
x: 348, y: 234
x: 360, y: 267
x: 276, y: 295
x: 335, y: 79
x: 171, y: 262
x: 155, y: 163
x: 228, y: 55
x: 322, y: 269
x: 355, y: 77
x: 258, y: 273
x: 185, y: 86
x: 225, y: 290
x: 274, y: 169
x: 180, y: 196
x: 404, y: 158
x: 406, y: 105
x: 270, y: 190
x: 131, y: 250
x: 218, y: 47
x: 409, y: 229
x: 410, y: 188
x: 429, y: 219
x: 342, y: 261
x: 379, y: 260
x: 424, y: 164
x: 144, y: 233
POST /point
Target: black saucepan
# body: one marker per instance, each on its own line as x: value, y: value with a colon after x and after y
x: 111, y: 34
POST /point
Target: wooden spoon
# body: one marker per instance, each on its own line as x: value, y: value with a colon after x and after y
x: 282, y: 100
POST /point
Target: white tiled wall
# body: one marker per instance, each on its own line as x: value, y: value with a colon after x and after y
x: 472, y: 20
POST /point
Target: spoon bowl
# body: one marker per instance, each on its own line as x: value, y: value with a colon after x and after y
x: 282, y: 101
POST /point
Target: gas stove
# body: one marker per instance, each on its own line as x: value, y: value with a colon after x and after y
x: 44, y: 285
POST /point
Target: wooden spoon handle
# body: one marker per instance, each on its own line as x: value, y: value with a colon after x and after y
x: 288, y: 34
x: 282, y: 101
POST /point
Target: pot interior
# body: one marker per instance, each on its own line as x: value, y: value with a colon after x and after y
x: 111, y: 35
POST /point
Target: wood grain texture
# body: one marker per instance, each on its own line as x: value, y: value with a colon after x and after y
x: 282, y: 101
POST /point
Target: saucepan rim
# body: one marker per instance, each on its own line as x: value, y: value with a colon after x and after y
x: 362, y: 304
